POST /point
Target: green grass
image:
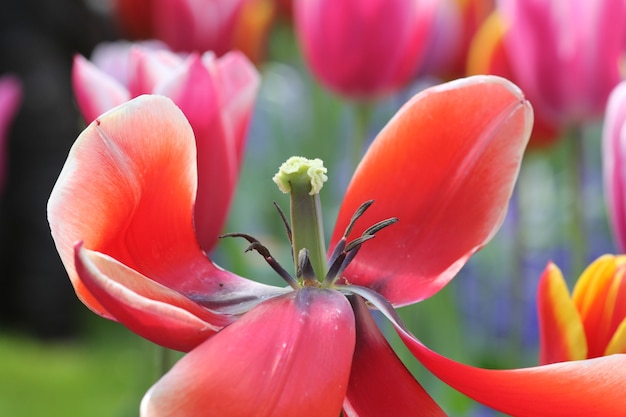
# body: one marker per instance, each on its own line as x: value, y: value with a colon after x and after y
x: 105, y: 374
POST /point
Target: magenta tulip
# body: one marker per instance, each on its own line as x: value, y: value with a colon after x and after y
x: 217, y: 96
x: 363, y: 48
x: 614, y: 163
x: 199, y: 25
x: 10, y: 98
x: 565, y: 54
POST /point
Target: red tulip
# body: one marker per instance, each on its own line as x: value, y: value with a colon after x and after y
x: 217, y: 96
x: 363, y: 49
x: 121, y: 216
x: 590, y: 323
x: 10, y: 98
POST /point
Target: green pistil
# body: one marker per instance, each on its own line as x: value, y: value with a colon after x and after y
x: 303, y: 179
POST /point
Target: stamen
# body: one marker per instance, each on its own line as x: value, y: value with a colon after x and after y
x: 304, y: 269
x: 285, y: 223
x: 344, y: 252
x: 380, y: 226
x: 265, y: 253
x: 340, y: 246
x: 357, y: 214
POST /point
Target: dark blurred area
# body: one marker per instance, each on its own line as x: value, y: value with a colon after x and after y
x: 38, y: 39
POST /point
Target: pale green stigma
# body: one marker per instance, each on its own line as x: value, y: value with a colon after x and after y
x: 298, y: 170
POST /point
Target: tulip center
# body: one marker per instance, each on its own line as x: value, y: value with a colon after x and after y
x: 303, y: 179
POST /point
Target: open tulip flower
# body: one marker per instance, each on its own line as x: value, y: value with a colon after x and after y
x: 431, y: 190
x: 590, y: 323
x: 217, y: 96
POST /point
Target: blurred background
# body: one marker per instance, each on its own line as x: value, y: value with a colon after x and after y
x: 59, y: 359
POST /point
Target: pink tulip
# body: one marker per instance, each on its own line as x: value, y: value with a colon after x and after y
x: 614, y: 160
x: 363, y: 48
x: 199, y: 25
x: 10, y: 98
x: 217, y: 96
x: 565, y: 54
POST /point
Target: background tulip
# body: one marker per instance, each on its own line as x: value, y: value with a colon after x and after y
x: 590, y: 323
x: 565, y: 54
x: 614, y: 164
x: 199, y: 25
x: 363, y: 49
x: 10, y: 96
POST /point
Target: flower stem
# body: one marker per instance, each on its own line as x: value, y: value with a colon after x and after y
x: 576, y: 188
x: 363, y: 115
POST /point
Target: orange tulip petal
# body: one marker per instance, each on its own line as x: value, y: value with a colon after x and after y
x: 596, y: 301
x: 445, y: 166
x: 380, y: 384
x: 617, y: 344
x: 146, y: 307
x: 290, y: 356
x: 562, y: 336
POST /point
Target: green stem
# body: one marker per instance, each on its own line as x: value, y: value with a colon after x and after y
x: 165, y: 360
x: 307, y: 229
x: 577, y: 219
x: 363, y: 115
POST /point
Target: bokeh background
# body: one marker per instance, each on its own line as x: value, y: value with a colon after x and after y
x: 59, y: 359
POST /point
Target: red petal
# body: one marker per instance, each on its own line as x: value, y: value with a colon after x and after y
x: 380, y: 384
x: 445, y: 165
x: 127, y: 190
x: 146, y: 307
x: 593, y: 387
x: 290, y: 356
x: 95, y: 91
x: 562, y: 336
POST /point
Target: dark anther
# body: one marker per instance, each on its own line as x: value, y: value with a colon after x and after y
x: 340, y: 246
x: 358, y: 213
x: 305, y: 269
x: 380, y: 226
x: 344, y: 252
x: 285, y: 222
x: 255, y: 245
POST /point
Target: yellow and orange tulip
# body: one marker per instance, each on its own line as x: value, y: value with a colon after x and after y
x: 592, y: 321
